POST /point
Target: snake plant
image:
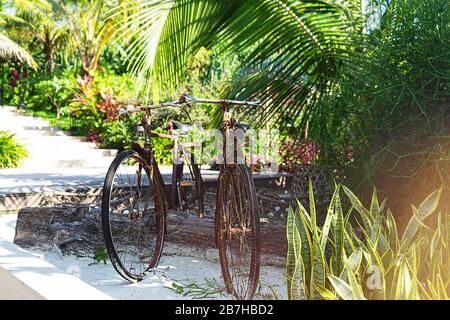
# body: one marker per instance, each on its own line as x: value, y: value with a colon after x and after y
x: 359, y: 252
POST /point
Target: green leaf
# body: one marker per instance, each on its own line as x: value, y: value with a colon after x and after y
x: 426, y: 208
x: 356, y: 287
x: 317, y: 267
x: 435, y: 239
x: 374, y: 206
x: 338, y: 231
x: 391, y: 226
x: 329, y: 218
x: 306, y: 242
x: 312, y: 209
x: 341, y: 287
x: 353, y: 263
x: 404, y: 283
x: 297, y: 287
x: 326, y: 294
x: 290, y: 256
x: 363, y: 212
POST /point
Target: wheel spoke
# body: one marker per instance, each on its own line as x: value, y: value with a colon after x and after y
x: 135, y: 231
x: 237, y: 249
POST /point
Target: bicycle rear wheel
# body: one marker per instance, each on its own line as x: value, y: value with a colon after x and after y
x: 238, y: 231
x: 133, y: 215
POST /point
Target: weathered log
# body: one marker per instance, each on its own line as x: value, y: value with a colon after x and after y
x: 76, y: 229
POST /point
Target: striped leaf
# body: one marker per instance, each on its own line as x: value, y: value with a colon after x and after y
x: 426, y: 208
x: 329, y: 218
x: 290, y: 256
x: 352, y: 263
x: 317, y: 267
x: 297, y: 287
x: 338, y: 232
x: 341, y: 287
x: 364, y: 214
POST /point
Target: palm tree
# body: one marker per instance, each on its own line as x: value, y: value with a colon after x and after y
x: 9, y: 50
x: 40, y: 21
x: 296, y: 49
x: 90, y: 30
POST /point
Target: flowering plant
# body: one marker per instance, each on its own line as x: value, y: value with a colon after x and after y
x: 298, y: 152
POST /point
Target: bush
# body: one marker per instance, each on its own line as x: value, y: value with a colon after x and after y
x: 52, y: 94
x: 365, y: 256
x: 11, y: 152
x: 393, y: 108
x: 117, y: 134
x: 298, y: 152
x: 96, y: 103
x: 163, y: 154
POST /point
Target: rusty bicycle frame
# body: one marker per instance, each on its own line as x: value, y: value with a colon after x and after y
x: 147, y: 148
x: 226, y: 177
x: 228, y: 124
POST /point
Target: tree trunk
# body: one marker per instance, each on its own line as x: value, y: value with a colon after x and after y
x: 77, y: 230
x: 49, y: 53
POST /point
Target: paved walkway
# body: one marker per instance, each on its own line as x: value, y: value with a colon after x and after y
x: 56, y: 160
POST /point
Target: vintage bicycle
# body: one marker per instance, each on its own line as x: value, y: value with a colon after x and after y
x: 135, y: 205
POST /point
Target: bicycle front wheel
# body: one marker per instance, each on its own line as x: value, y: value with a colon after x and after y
x: 133, y: 215
x: 238, y: 230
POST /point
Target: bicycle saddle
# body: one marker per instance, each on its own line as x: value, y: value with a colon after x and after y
x: 177, y: 125
x: 244, y: 127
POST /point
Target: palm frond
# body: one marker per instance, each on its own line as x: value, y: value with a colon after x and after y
x: 164, y: 33
x: 298, y: 51
x: 294, y: 49
x: 11, y: 50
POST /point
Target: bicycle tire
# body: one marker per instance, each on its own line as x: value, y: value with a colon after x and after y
x: 231, y: 175
x: 159, y: 213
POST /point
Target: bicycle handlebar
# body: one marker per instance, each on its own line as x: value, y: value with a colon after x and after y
x: 190, y: 99
x: 132, y: 109
x: 187, y: 100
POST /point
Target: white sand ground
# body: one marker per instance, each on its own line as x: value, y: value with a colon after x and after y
x: 177, y: 265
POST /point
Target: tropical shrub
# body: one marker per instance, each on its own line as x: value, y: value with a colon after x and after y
x: 53, y: 94
x: 360, y: 253
x: 394, y: 109
x: 11, y: 151
x: 84, y: 105
x: 161, y: 149
x: 115, y: 135
x: 298, y: 152
x: 96, y: 103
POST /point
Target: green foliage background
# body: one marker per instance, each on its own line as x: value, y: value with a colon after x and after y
x: 11, y: 151
x: 394, y: 108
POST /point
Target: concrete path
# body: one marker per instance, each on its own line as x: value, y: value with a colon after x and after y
x: 56, y: 160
